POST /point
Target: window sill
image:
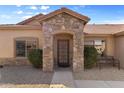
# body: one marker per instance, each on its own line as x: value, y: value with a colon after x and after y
x: 21, y: 57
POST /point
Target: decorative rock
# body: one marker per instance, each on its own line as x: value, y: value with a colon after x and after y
x: 63, y: 22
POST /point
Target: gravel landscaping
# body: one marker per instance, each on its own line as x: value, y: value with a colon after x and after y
x: 106, y: 74
x: 29, y: 77
x: 24, y: 75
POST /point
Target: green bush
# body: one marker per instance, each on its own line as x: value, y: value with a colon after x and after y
x: 35, y: 57
x: 90, y: 56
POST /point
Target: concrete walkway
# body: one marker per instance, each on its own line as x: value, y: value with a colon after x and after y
x: 98, y: 84
x: 65, y: 77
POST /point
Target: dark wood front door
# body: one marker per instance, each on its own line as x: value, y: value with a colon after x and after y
x: 63, y: 53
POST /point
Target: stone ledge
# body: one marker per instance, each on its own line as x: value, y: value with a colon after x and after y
x: 14, y: 61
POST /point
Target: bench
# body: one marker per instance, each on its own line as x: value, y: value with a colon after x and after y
x: 108, y: 60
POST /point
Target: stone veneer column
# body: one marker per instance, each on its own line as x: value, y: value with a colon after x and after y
x: 48, y: 54
x: 63, y: 23
x: 78, y: 52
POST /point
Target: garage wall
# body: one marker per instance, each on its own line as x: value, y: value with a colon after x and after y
x: 119, y: 49
x: 7, y: 40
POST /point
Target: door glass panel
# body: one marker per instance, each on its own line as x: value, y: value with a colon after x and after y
x: 63, y: 53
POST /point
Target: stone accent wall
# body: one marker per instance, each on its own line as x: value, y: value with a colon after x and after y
x: 13, y: 61
x: 63, y: 23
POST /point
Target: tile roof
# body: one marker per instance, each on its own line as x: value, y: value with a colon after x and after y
x: 103, y: 28
x: 111, y: 29
x: 65, y: 10
x: 18, y: 27
x: 36, y: 17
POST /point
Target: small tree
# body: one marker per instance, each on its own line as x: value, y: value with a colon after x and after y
x: 90, y: 56
x: 35, y: 57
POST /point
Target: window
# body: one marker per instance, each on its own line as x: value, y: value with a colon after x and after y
x: 23, y: 47
x: 89, y: 43
x: 100, y: 45
x: 98, y: 42
x: 20, y: 48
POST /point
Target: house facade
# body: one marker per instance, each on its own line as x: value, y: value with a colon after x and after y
x: 61, y: 35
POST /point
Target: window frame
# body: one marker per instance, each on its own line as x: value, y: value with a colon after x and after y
x: 26, y: 39
x: 102, y: 40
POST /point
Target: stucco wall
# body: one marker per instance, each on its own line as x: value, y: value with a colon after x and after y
x: 119, y: 49
x: 110, y: 46
x: 7, y: 40
x: 109, y: 42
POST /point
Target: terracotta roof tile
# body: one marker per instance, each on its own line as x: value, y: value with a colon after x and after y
x: 30, y: 19
x: 65, y: 10
x: 103, y: 28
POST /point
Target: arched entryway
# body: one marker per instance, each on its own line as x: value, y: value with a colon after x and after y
x: 71, y: 29
x: 63, y: 50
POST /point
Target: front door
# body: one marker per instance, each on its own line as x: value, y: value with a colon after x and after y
x: 63, y: 53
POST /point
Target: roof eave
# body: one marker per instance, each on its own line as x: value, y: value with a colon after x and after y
x: 29, y: 19
x: 65, y: 10
x: 19, y: 27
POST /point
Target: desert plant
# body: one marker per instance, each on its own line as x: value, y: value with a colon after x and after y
x: 90, y: 56
x: 35, y: 57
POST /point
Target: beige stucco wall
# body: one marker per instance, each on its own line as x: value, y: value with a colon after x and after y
x: 119, y: 49
x: 7, y: 40
x: 109, y: 42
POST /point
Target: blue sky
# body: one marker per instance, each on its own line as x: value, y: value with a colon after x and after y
x: 99, y: 14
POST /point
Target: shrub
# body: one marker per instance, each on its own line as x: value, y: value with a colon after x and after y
x: 35, y: 57
x: 90, y: 56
